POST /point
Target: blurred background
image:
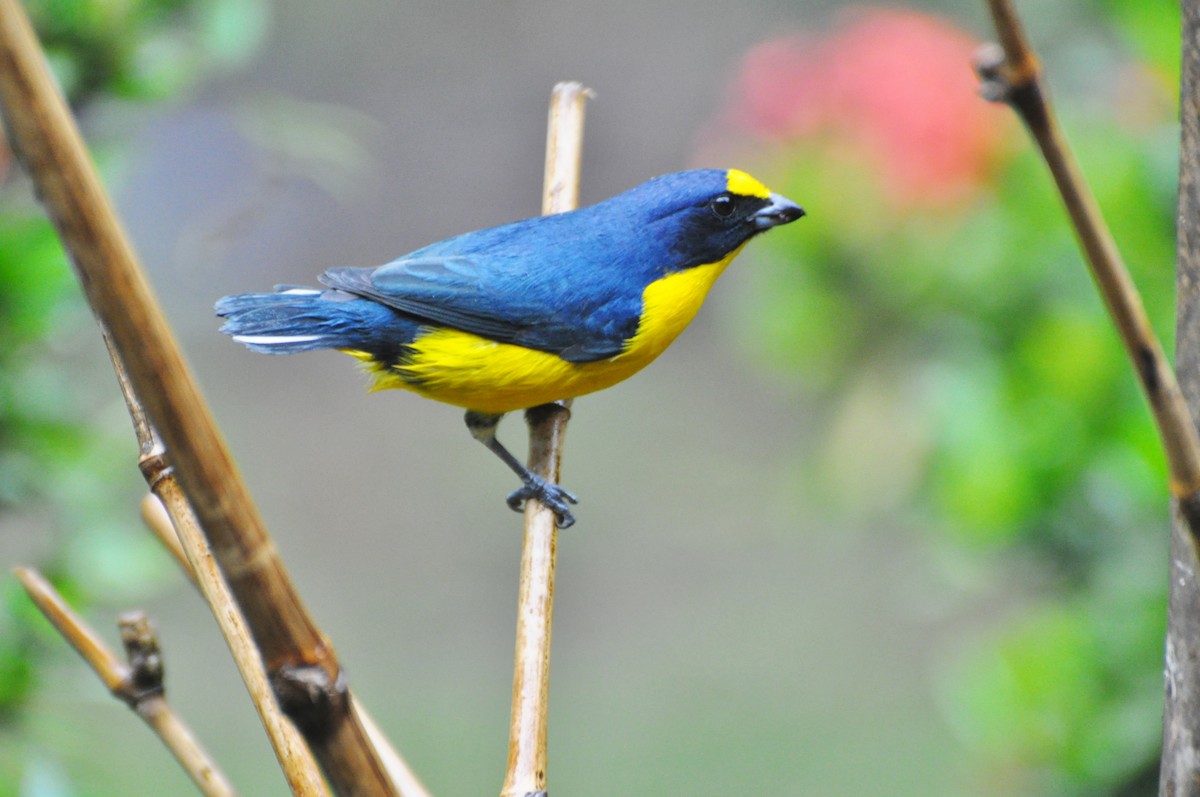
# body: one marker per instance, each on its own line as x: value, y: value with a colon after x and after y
x: 890, y: 517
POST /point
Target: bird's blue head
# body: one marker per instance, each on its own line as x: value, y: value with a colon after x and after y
x: 704, y: 214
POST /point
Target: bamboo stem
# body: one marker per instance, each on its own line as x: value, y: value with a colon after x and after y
x: 299, y: 768
x: 403, y: 778
x: 303, y: 667
x: 406, y: 781
x: 295, y: 758
x: 138, y: 683
x: 155, y: 516
x: 169, y: 515
x: 526, y: 770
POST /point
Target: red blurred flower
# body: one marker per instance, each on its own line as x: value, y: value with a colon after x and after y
x: 893, y: 85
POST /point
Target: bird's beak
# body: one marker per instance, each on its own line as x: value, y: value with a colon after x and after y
x: 780, y: 210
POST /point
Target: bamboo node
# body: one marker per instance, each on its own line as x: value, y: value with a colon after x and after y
x: 1000, y: 80
x: 145, y: 676
x: 311, y: 696
x: 155, y: 468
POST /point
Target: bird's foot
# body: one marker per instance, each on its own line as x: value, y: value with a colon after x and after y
x: 551, y: 496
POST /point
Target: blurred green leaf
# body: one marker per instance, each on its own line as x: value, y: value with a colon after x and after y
x: 975, y: 323
x: 144, y: 48
x: 45, y: 777
x: 233, y: 29
x: 1149, y: 28
x: 57, y: 462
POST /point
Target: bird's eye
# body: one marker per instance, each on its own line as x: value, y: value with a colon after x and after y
x: 722, y: 206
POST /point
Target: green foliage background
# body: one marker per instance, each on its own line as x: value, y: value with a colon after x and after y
x: 1021, y: 443
x: 54, y: 466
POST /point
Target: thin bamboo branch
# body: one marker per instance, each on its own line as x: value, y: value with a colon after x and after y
x: 294, y: 756
x: 304, y: 670
x: 138, y: 683
x: 155, y: 516
x: 166, y: 510
x: 1021, y: 63
x: 526, y: 770
x: 87, y: 643
x: 283, y: 736
x: 405, y: 780
x: 1012, y: 74
x: 150, y: 702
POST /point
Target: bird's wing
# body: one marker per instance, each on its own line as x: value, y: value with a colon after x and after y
x: 497, y: 299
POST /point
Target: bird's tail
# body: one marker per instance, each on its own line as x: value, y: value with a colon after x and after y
x: 288, y: 321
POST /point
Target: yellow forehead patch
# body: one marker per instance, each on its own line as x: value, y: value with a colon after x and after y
x: 742, y: 184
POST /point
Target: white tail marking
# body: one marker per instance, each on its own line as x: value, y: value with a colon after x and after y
x: 270, y: 340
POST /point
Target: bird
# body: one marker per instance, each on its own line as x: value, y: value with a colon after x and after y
x: 526, y: 313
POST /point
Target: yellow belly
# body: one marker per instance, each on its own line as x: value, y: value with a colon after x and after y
x: 479, y: 374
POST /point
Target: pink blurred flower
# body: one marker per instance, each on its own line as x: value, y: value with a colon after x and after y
x: 893, y: 85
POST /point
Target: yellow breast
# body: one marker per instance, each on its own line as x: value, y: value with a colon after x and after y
x: 480, y: 374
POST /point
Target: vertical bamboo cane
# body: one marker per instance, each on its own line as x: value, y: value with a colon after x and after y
x: 526, y: 772
x: 304, y: 670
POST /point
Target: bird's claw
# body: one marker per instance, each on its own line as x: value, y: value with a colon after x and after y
x: 551, y: 496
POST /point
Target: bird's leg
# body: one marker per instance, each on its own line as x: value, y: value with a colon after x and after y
x: 483, y: 428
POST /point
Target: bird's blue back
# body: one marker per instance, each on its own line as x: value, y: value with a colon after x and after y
x: 573, y: 285
x: 560, y: 281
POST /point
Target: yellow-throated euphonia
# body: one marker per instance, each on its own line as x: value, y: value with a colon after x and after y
x: 531, y: 312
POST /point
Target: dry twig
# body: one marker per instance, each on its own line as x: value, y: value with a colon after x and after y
x: 170, y: 517
x: 304, y: 671
x: 526, y: 770
x: 1011, y: 74
x: 405, y: 780
x: 293, y: 754
x: 139, y: 683
x: 298, y: 766
x: 155, y: 516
